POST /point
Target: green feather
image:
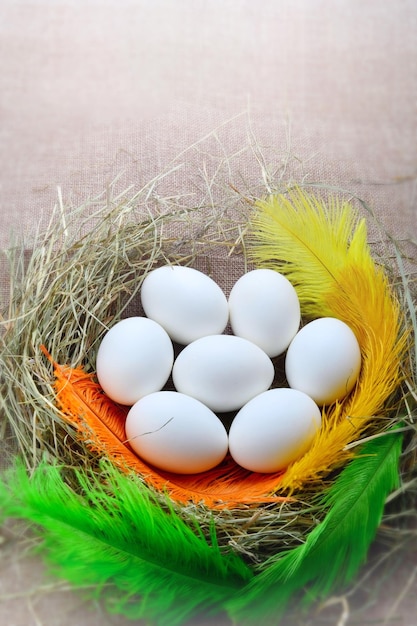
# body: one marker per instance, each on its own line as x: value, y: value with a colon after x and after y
x: 116, y: 537
x: 147, y: 563
x: 337, y: 547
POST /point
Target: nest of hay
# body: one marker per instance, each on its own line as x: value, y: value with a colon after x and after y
x: 84, y: 273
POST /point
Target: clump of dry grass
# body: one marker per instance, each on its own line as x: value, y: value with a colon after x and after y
x: 85, y: 272
x: 82, y: 274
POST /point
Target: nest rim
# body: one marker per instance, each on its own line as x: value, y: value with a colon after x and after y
x: 37, y: 426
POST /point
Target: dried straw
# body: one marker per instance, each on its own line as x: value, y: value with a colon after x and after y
x: 85, y: 272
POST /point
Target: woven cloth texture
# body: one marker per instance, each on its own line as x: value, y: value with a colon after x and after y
x: 91, y: 90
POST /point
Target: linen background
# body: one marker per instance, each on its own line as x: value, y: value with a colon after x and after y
x: 93, y: 90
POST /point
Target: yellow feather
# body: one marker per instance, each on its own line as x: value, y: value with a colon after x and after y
x: 323, y: 251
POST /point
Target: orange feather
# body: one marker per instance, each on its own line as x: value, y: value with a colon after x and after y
x: 100, y: 425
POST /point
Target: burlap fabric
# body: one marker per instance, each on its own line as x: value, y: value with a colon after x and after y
x: 97, y: 89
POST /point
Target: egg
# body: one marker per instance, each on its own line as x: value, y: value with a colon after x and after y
x: 176, y: 433
x: 273, y: 429
x: 135, y: 357
x: 186, y: 302
x: 264, y: 308
x: 222, y: 371
x: 324, y: 360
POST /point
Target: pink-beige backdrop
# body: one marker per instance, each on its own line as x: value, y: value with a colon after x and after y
x: 97, y: 89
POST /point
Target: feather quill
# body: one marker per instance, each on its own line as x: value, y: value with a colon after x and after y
x: 323, y: 251
x: 100, y: 425
x: 115, y: 541
x: 337, y: 547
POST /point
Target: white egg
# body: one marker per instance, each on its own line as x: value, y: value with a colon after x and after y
x: 264, y: 308
x: 324, y: 360
x: 176, y: 433
x: 134, y: 358
x: 186, y: 302
x: 273, y: 430
x: 222, y: 371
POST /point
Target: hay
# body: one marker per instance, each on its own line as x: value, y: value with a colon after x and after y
x: 85, y: 272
